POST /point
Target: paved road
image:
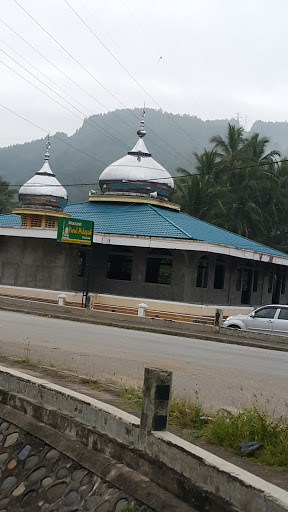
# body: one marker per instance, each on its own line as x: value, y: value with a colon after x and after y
x: 221, y: 375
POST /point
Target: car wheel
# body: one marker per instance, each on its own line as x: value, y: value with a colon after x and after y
x: 234, y: 327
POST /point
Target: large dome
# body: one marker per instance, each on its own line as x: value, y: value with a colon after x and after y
x: 43, y: 191
x: 137, y: 174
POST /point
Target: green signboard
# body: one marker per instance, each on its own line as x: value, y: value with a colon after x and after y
x: 75, y: 231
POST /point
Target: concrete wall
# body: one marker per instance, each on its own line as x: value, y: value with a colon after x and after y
x: 40, y: 263
x: 202, y: 479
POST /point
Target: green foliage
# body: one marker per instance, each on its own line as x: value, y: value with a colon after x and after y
x: 239, y: 188
x: 186, y: 414
x: 132, y: 395
x: 129, y: 508
x: 229, y: 430
x: 6, y: 197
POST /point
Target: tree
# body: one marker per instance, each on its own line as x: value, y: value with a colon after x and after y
x: 239, y: 186
x: 6, y: 197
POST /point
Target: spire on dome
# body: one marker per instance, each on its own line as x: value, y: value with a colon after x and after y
x: 48, y: 146
x: 43, y: 191
x: 142, y: 132
x: 137, y: 173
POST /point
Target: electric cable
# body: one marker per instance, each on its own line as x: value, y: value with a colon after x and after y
x: 64, y: 74
x: 127, y: 71
x: 47, y: 132
x: 110, y: 137
x: 94, y: 78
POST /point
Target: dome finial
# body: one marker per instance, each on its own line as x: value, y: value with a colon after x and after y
x: 141, y: 133
x: 48, y: 146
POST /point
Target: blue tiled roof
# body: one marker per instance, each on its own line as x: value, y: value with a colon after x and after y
x: 10, y: 220
x: 151, y: 221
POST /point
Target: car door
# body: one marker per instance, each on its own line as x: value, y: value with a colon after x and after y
x: 280, y: 324
x: 262, y: 319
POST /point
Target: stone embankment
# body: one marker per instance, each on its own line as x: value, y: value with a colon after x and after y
x: 63, y: 451
x: 37, y: 477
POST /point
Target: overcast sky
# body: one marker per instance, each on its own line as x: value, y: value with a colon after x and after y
x: 203, y: 57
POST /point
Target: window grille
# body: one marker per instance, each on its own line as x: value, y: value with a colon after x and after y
x: 50, y: 222
x: 36, y: 221
x: 24, y: 221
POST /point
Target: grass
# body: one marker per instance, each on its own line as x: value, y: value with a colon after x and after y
x: 22, y: 361
x: 129, y: 508
x: 225, y: 428
x: 228, y: 430
x: 132, y: 396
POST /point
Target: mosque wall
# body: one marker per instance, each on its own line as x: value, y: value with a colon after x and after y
x: 181, y: 276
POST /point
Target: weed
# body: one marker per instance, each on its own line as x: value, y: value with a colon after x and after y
x: 129, y: 508
x: 186, y: 414
x: 229, y: 430
x: 132, y: 395
x: 92, y: 383
x: 21, y: 361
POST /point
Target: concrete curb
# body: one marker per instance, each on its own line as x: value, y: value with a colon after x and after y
x: 171, y: 461
x: 158, y: 326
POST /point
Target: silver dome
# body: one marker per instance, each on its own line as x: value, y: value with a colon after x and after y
x: 43, y: 191
x: 137, y: 174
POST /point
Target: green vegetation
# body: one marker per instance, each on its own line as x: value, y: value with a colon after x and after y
x: 229, y: 430
x: 239, y: 187
x: 129, y: 508
x: 6, y: 197
x: 132, y: 396
x: 225, y: 428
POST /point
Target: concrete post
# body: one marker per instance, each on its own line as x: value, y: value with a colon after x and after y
x: 142, y: 309
x: 155, y: 402
x: 61, y: 299
x: 218, y: 318
x: 90, y: 301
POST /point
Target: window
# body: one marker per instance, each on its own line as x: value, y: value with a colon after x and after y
x: 219, y: 275
x: 120, y: 264
x: 159, y: 267
x: 36, y: 221
x: 265, y: 313
x: 283, y: 315
x: 202, y: 273
x: 24, y: 221
x: 50, y: 222
x: 255, y: 281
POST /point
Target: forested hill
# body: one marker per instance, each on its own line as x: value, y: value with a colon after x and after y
x: 181, y: 135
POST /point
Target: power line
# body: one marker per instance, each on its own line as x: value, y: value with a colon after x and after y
x: 94, y: 78
x: 47, y: 132
x: 126, y: 70
x: 64, y: 74
x: 152, y: 179
x: 107, y: 134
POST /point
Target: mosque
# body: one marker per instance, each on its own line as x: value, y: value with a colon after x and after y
x: 143, y: 246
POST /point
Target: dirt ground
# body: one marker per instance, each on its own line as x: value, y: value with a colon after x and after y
x: 109, y: 393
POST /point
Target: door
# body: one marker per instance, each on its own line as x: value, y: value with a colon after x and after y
x: 262, y: 319
x: 280, y: 324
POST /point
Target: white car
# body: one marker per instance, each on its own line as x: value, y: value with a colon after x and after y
x: 273, y: 318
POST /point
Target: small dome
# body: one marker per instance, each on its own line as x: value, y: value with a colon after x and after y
x: 137, y: 174
x: 43, y: 191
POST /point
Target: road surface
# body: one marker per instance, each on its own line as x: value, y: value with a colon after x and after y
x: 219, y: 375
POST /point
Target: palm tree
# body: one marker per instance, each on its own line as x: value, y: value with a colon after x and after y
x: 230, y: 151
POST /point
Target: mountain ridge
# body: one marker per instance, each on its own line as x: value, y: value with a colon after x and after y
x: 171, y: 138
